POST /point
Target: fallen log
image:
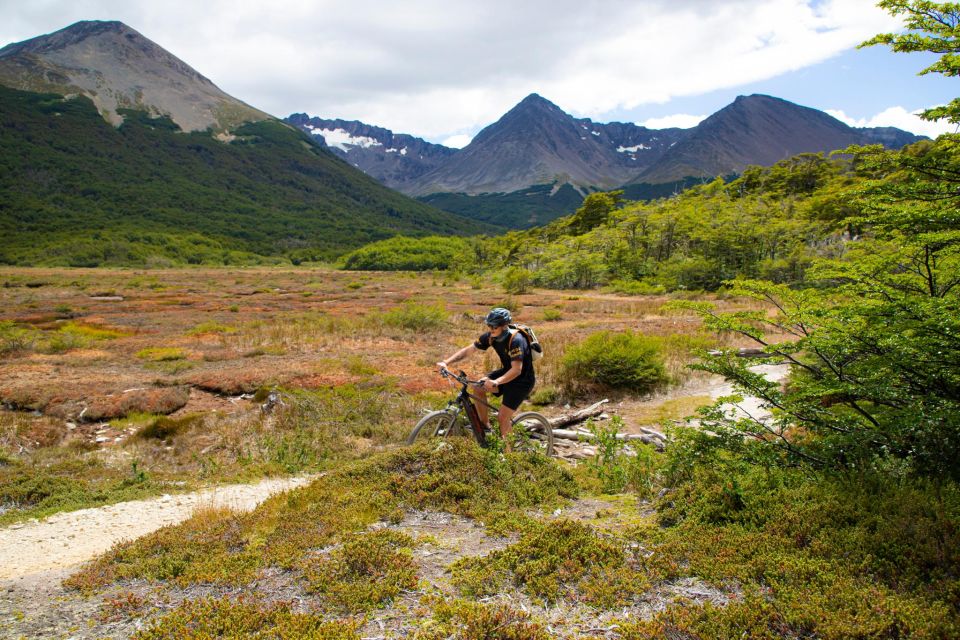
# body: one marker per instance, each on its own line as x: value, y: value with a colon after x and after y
x: 569, y: 434
x: 651, y: 437
x: 578, y: 416
x: 746, y: 352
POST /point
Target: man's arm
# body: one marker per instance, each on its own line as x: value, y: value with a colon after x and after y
x: 516, y: 368
x: 457, y: 357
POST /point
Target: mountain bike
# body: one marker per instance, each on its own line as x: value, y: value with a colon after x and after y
x: 531, y: 430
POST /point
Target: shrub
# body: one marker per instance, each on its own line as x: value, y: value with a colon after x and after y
x: 367, y: 571
x: 211, y: 327
x: 416, y: 317
x: 161, y: 354
x: 550, y: 314
x: 627, y: 361
x: 209, y: 618
x: 517, y: 280
x: 560, y: 559
x: 14, y: 338
x: 477, y: 621
x: 407, y: 254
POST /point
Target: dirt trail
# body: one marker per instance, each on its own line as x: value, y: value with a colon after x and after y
x: 750, y: 406
x: 68, y: 539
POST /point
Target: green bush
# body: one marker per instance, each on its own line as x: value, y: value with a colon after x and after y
x: 211, y: 618
x: 627, y: 361
x: 407, y: 254
x: 14, y: 338
x: 367, y: 571
x: 416, y: 317
x: 517, y: 280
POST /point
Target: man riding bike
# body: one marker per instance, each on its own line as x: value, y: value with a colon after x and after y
x: 515, y: 378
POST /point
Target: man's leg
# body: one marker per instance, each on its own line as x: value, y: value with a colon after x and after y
x: 505, y: 415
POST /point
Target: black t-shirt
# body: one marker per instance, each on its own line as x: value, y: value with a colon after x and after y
x: 512, y: 346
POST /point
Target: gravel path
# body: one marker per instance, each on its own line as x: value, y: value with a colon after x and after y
x: 68, y: 539
x: 750, y: 405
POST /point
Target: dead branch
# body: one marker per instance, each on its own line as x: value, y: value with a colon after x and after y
x: 578, y: 416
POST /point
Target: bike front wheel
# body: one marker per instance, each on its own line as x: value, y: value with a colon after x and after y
x: 436, y: 424
x: 533, y: 432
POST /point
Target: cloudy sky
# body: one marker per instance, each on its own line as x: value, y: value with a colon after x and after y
x: 443, y: 69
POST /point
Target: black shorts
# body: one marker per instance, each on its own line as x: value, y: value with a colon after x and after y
x: 513, y: 393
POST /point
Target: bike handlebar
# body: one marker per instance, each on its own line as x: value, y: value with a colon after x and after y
x: 461, y: 378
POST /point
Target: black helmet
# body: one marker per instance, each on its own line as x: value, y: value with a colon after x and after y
x: 498, y: 316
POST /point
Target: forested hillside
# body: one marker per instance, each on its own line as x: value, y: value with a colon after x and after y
x: 74, y: 190
x: 768, y: 223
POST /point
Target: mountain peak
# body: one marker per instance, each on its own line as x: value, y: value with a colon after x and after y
x: 538, y: 102
x: 71, y: 35
x: 116, y: 67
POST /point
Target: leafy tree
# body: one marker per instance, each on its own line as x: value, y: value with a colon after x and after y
x: 933, y: 27
x: 875, y: 346
x: 594, y: 211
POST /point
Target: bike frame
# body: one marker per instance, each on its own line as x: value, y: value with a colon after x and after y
x: 466, y: 402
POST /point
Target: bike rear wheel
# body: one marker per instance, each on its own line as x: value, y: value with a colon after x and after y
x: 533, y: 432
x: 436, y: 424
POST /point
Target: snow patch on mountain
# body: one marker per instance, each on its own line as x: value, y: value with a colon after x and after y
x: 633, y: 149
x: 342, y: 139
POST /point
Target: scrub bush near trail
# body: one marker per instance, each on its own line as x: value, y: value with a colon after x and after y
x: 368, y: 570
x: 627, y: 361
x: 209, y: 618
x: 558, y: 560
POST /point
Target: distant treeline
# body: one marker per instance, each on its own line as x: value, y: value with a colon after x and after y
x: 768, y: 223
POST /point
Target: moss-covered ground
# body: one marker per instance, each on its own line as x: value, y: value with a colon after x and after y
x: 449, y: 540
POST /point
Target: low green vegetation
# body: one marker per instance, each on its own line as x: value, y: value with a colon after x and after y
x: 558, y: 560
x: 161, y: 354
x: 415, y: 317
x: 628, y: 361
x: 212, y: 618
x: 59, y: 337
x: 477, y: 621
x: 367, y: 571
x: 65, y: 481
x: 233, y: 548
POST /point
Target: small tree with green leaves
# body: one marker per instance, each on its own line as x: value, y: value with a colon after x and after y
x: 594, y: 211
x: 933, y: 27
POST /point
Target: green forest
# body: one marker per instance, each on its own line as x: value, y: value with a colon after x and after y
x: 76, y: 191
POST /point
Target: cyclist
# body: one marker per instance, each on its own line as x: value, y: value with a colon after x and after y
x: 515, y: 378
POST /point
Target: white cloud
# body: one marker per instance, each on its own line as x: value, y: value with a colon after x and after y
x: 458, y: 141
x: 433, y: 68
x: 897, y: 117
x: 681, y: 120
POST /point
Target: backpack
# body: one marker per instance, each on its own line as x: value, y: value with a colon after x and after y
x: 536, y: 349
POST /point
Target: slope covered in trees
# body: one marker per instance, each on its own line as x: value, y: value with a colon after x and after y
x: 76, y: 191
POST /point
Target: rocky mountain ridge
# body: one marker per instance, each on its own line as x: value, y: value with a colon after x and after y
x: 118, y: 68
x: 395, y: 159
x: 536, y: 143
